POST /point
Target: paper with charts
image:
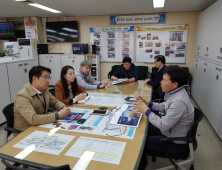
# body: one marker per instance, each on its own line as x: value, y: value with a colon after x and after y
x: 47, y: 144
x: 94, y: 124
x: 104, y: 99
x: 105, y: 150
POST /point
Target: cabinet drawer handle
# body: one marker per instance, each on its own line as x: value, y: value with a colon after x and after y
x: 25, y: 64
x: 198, y: 49
x: 207, y: 48
x: 217, y: 77
x: 205, y: 70
x: 51, y: 56
x: 25, y: 70
x: 50, y: 60
x: 20, y: 65
x: 73, y: 61
x: 47, y: 56
x: 218, y: 57
x: 196, y: 65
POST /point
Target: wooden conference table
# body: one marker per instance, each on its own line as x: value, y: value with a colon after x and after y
x: 132, y: 152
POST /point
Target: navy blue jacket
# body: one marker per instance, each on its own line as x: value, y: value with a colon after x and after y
x: 156, y: 82
x: 121, y: 72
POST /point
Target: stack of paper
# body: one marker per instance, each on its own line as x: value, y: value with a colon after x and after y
x: 119, y: 81
x: 127, y: 116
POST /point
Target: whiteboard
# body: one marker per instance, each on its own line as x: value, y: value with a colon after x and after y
x: 167, y: 40
x: 113, y: 43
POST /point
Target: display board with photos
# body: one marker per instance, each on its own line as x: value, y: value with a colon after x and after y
x: 113, y: 43
x: 167, y: 40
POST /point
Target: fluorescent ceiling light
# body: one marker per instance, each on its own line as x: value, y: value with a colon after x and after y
x: 158, y: 3
x: 48, y: 30
x: 74, y: 36
x: 45, y: 8
x: 70, y: 30
x: 61, y: 33
x: 20, y: 0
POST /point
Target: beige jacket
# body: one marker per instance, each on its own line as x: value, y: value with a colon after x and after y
x: 30, y: 109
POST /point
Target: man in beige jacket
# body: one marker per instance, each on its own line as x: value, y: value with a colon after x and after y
x: 33, y: 100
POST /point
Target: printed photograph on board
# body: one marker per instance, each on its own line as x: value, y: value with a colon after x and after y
x: 158, y: 44
x: 167, y: 53
x: 157, y: 52
x: 180, y: 45
x: 126, y: 49
x: 148, y: 36
x: 143, y: 38
x: 125, y: 55
x: 111, y: 42
x: 97, y: 49
x: 148, y: 50
x: 151, y: 56
x: 179, y: 53
x: 111, y: 55
x: 126, y: 35
x: 96, y: 35
x: 97, y: 42
x: 111, y: 35
x: 140, y: 44
x: 111, y: 48
x: 149, y: 44
x: 125, y: 42
x: 155, y: 37
x: 138, y: 36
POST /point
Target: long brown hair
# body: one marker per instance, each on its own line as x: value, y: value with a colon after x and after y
x: 74, y: 85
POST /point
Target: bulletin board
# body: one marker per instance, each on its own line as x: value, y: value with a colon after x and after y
x: 113, y: 43
x: 167, y: 40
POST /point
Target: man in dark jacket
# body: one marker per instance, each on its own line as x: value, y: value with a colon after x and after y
x: 160, y: 64
x: 127, y: 70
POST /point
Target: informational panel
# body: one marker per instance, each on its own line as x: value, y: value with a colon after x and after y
x: 167, y: 40
x: 113, y: 43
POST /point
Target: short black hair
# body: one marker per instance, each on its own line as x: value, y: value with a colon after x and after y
x: 176, y: 73
x: 37, y: 72
x: 127, y: 59
x: 160, y: 58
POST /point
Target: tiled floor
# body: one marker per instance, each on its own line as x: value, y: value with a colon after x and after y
x: 208, y: 155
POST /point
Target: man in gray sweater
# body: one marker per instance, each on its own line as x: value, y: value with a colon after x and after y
x: 85, y: 80
x: 178, y: 119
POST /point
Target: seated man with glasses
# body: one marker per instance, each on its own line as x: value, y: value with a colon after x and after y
x: 33, y: 100
x: 160, y: 64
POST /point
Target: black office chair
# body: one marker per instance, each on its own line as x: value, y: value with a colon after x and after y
x: 11, y: 167
x: 143, y: 72
x: 190, y: 139
x: 154, y: 73
x: 114, y: 68
x: 188, y: 79
x: 9, y: 115
x: 158, y: 95
x: 52, y: 91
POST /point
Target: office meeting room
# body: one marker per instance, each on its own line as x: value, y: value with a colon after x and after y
x: 110, y: 84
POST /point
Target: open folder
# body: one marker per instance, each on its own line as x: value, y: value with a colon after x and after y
x: 119, y: 81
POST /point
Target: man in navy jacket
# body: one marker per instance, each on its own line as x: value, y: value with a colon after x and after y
x: 160, y: 64
x: 127, y: 70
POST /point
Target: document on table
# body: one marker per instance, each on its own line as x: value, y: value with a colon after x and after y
x: 119, y: 81
x: 127, y: 117
x: 106, y: 150
x: 47, y: 144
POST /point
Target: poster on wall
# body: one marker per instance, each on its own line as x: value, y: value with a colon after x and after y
x: 113, y: 43
x: 167, y: 40
x: 30, y: 33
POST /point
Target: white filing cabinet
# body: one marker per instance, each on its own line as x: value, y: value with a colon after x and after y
x: 218, y: 37
x: 18, y: 73
x: 52, y: 61
x: 214, y: 107
x: 4, y: 91
x: 196, y: 79
x: 208, y: 29
x: 73, y: 60
x: 204, y: 75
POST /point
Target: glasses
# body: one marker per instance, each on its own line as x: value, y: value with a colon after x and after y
x: 46, y: 78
